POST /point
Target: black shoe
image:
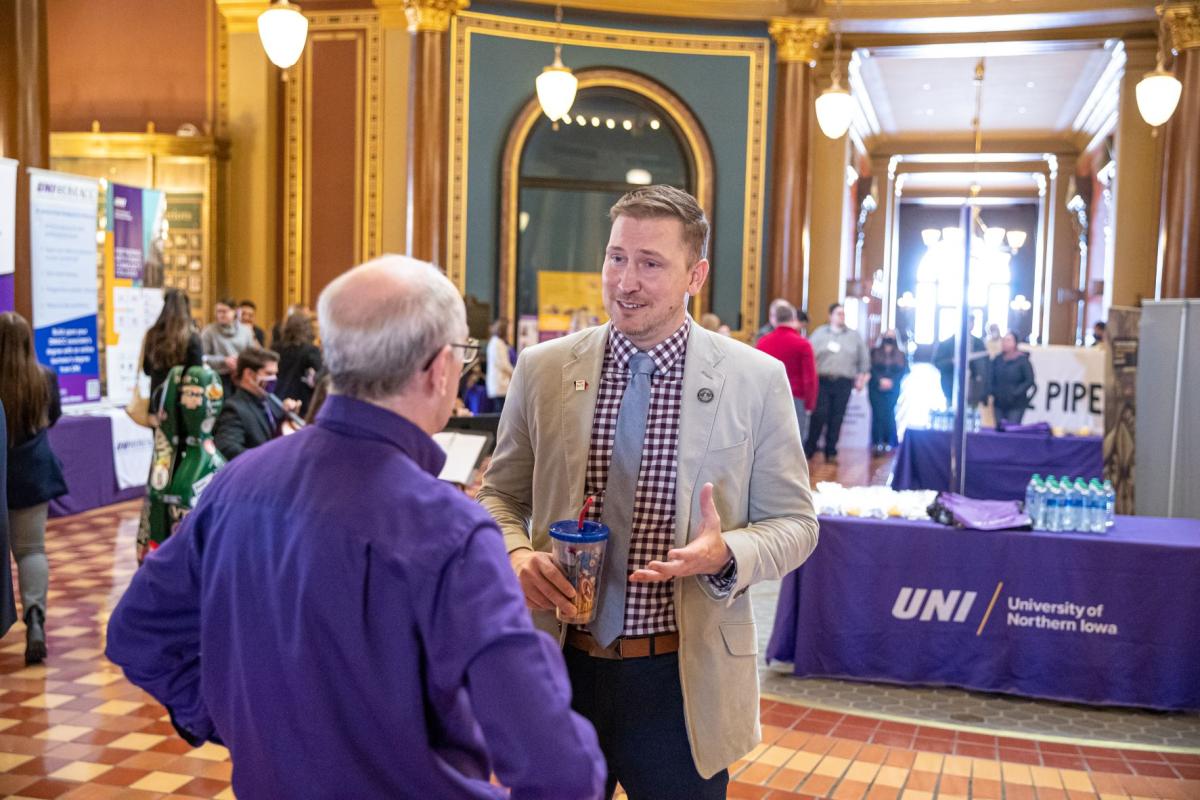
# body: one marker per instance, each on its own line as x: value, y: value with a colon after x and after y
x: 35, y: 636
x: 831, y: 459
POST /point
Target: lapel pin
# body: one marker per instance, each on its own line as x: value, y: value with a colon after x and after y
x: 705, y: 395
x: 580, y: 385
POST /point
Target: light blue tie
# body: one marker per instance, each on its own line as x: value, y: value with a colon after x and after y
x: 619, y: 493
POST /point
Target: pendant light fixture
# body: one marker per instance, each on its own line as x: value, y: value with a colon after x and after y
x: 283, y: 31
x: 835, y: 107
x: 1158, y: 91
x: 556, y: 86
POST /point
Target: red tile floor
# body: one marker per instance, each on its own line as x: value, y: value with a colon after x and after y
x: 74, y: 728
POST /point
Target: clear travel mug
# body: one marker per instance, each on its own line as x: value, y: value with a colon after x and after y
x: 579, y: 553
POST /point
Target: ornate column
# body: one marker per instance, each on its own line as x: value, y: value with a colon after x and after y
x: 394, y: 185
x: 797, y: 42
x: 24, y: 117
x: 429, y: 24
x: 1179, y: 241
x: 1136, y: 187
x: 248, y: 117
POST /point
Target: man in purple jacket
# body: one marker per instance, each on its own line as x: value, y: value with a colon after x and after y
x: 347, y: 624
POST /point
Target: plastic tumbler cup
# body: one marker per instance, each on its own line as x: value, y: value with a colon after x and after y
x: 579, y: 553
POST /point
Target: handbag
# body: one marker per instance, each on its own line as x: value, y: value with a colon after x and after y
x: 138, y: 407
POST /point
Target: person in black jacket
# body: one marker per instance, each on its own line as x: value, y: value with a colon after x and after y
x: 299, y: 359
x: 889, y: 365
x: 8, y: 605
x: 1010, y: 382
x: 249, y: 417
x: 30, y: 396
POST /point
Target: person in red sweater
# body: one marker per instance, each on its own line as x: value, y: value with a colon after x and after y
x: 787, y: 344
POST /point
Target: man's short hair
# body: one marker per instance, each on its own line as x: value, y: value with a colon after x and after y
x: 379, y: 336
x: 227, y: 301
x: 801, y: 316
x: 254, y: 358
x: 782, y: 313
x: 663, y: 201
x: 248, y: 304
x: 834, y: 307
x: 1101, y: 326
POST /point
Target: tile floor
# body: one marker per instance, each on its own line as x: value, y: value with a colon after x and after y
x: 74, y: 728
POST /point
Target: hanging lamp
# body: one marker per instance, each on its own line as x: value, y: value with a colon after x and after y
x: 556, y: 86
x: 283, y: 31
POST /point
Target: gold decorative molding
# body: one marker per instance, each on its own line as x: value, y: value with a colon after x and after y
x: 1184, y: 23
x: 365, y: 30
x: 701, y: 166
x: 798, y: 39
x: 241, y: 16
x: 392, y: 13
x: 432, y: 15
x: 755, y: 50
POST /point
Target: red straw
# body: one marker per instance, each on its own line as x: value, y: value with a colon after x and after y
x: 587, y: 504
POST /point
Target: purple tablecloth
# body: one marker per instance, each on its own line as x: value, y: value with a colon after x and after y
x: 85, y: 447
x: 999, y: 465
x: 1102, y: 619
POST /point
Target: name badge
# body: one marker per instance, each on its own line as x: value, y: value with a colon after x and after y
x: 834, y: 347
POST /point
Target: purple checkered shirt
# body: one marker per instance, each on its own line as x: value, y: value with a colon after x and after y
x: 649, y: 607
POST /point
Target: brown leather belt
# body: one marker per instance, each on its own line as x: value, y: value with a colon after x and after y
x: 625, y: 647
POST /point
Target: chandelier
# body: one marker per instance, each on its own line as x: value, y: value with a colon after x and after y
x: 835, y: 107
x: 556, y: 86
x: 283, y: 31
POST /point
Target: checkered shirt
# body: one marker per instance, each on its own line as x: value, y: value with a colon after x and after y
x: 649, y: 607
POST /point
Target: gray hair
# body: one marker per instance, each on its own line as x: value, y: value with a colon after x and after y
x: 781, y: 311
x: 383, y: 320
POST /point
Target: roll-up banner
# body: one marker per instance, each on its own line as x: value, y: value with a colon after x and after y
x: 62, y: 254
x: 133, y: 280
x: 8, y: 228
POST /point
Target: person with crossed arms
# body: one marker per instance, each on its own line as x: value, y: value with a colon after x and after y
x: 688, y: 442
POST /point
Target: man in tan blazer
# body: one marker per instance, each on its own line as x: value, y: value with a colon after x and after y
x: 704, y: 427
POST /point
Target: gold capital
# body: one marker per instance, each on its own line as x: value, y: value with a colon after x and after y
x: 241, y: 16
x: 432, y: 15
x: 1184, y: 23
x: 798, y: 39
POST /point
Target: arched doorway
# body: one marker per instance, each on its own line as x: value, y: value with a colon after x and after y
x: 558, y: 182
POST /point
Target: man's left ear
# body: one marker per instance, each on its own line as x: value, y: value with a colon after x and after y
x: 698, y: 276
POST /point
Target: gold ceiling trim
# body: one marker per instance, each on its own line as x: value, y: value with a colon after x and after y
x: 432, y: 15
x: 1184, y: 24
x: 750, y: 10
x: 798, y: 39
x: 242, y: 15
x: 755, y: 50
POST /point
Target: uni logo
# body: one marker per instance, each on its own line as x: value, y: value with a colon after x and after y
x: 947, y: 606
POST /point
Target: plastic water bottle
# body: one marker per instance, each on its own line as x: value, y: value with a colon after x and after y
x: 1097, y: 513
x: 1110, y: 504
x: 1083, y: 517
x: 1031, y: 498
x: 1066, y: 506
x: 1041, y: 492
x: 1050, y: 512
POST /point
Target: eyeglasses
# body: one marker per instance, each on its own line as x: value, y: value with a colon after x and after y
x: 470, y: 352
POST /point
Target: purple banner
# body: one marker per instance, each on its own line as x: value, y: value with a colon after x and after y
x: 1106, y: 619
x: 127, y: 232
x: 7, y: 298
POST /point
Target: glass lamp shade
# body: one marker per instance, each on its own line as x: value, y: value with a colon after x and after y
x: 283, y: 31
x: 1157, y: 95
x: 1016, y: 240
x: 556, y: 88
x: 835, y: 110
x: 931, y: 236
x: 993, y: 237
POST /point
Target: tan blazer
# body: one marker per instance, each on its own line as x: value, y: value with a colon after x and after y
x: 745, y: 441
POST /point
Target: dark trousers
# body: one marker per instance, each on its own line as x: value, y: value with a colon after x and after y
x: 883, y: 418
x: 636, y: 706
x: 832, y: 398
x: 1010, y: 415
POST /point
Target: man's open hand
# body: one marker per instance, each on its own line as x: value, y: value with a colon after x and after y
x: 707, y: 554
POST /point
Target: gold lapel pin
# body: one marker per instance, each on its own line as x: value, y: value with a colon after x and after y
x: 581, y: 385
x: 704, y: 395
